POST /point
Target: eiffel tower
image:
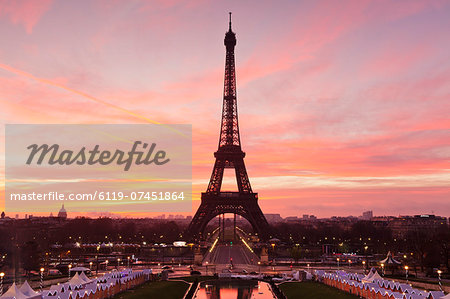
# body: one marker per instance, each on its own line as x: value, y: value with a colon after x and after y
x: 229, y: 155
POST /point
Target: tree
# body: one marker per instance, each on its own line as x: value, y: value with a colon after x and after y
x: 296, y: 253
x: 30, y: 256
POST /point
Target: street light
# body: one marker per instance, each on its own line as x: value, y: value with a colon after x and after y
x: 206, y: 268
x: 349, y: 263
x: 406, y: 271
x: 96, y: 260
x: 118, y: 263
x: 439, y: 272
x: 382, y: 269
x: 70, y: 267
x: 128, y: 264
x: 106, y: 265
x: 42, y: 277
x: 259, y: 265
x: 1, y: 283
x: 90, y: 266
x: 338, y: 262
x: 364, y: 266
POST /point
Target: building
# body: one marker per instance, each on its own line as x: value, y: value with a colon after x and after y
x: 368, y: 215
x: 273, y: 218
x: 400, y: 226
x: 62, y: 213
x: 292, y: 219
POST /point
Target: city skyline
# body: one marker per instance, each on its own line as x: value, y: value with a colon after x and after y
x: 349, y: 114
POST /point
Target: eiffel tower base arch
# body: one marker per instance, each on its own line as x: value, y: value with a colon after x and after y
x: 245, y: 205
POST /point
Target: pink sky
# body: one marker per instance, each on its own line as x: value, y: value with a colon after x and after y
x: 344, y: 106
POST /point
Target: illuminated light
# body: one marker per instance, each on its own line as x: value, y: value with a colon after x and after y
x: 248, y: 246
x: 214, y: 245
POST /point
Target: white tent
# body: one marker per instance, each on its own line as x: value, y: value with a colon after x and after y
x: 14, y: 292
x: 28, y: 291
x: 60, y: 288
x: 389, y: 260
x: 367, y: 277
x: 371, y: 277
x: 435, y: 295
x: 84, y: 277
x: 376, y: 276
x: 76, y: 280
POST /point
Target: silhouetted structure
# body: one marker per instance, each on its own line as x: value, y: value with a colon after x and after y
x: 62, y: 213
x: 229, y: 155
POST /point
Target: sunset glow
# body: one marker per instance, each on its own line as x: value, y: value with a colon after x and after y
x: 344, y: 106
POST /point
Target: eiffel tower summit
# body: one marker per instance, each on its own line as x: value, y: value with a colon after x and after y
x: 215, y: 201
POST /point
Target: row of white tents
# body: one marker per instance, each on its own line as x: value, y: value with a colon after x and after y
x: 80, y: 286
x: 25, y: 291
x: 374, y: 286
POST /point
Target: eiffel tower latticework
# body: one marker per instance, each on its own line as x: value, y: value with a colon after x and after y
x: 229, y: 155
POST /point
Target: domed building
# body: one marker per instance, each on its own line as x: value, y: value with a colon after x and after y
x: 62, y: 213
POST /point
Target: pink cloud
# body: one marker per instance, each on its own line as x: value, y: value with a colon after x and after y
x: 24, y: 12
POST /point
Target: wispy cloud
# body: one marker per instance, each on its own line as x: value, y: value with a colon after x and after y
x: 24, y: 12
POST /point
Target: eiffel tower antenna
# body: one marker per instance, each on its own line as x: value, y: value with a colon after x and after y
x: 230, y: 21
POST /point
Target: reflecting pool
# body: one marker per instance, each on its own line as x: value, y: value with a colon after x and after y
x: 232, y: 289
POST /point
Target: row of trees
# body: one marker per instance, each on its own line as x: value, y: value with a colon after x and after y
x: 426, y: 249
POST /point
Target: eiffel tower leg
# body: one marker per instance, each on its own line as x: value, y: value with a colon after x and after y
x: 260, y: 223
x: 241, y: 176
